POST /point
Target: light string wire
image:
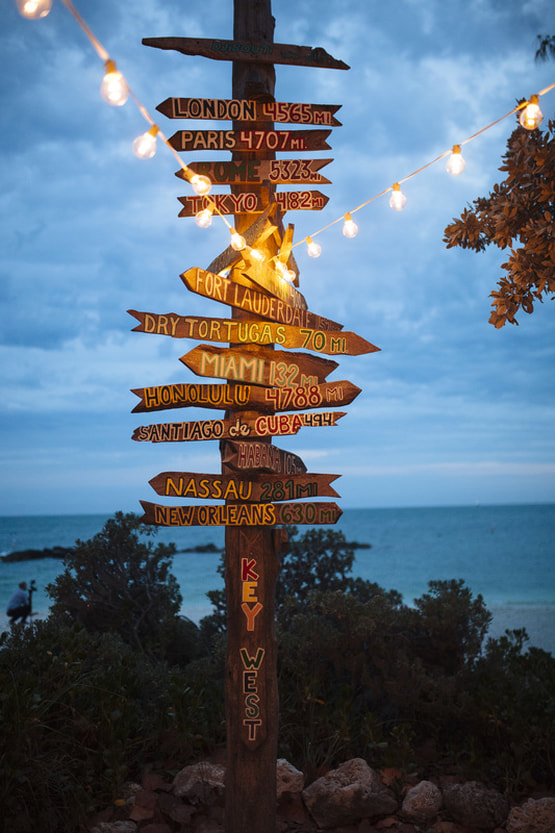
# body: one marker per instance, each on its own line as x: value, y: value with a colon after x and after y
x: 211, y: 205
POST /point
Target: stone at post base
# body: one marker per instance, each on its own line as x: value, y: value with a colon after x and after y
x: 348, y: 794
x: 422, y: 802
x: 474, y: 805
x: 535, y: 816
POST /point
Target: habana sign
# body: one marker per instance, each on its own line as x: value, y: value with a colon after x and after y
x: 261, y: 489
x: 283, y: 141
x: 230, y: 331
x: 237, y: 50
x: 264, y: 425
x: 250, y: 203
x: 258, y: 366
x: 258, y: 171
x: 239, y: 397
x: 241, y: 514
x: 261, y: 456
x: 225, y: 291
x: 236, y: 109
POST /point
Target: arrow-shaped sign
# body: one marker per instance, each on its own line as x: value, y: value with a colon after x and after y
x: 231, y: 331
x: 261, y: 456
x: 284, y: 141
x: 258, y: 366
x: 244, y: 397
x: 234, y: 109
x: 263, y: 488
x: 261, y: 53
x: 241, y: 514
x: 264, y: 425
x: 250, y: 203
x: 225, y: 291
x: 258, y: 171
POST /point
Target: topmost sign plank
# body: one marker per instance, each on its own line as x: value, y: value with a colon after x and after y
x: 235, y: 50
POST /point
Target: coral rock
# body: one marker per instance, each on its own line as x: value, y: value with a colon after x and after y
x: 201, y: 783
x: 535, y: 816
x: 422, y: 802
x: 289, y: 779
x: 474, y: 805
x: 347, y: 795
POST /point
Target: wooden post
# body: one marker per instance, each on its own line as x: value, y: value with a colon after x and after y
x: 252, y: 706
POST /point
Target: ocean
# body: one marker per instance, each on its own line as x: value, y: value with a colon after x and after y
x: 506, y: 553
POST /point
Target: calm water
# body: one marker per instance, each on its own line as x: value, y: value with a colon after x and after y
x: 506, y: 553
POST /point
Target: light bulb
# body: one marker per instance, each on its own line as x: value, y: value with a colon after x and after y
x: 531, y: 117
x: 144, y: 145
x: 200, y: 184
x: 34, y: 9
x: 113, y: 88
x: 237, y: 242
x: 204, y: 218
x: 290, y: 275
x: 256, y: 254
x: 350, y: 228
x: 455, y: 164
x: 397, y: 199
x: 313, y: 249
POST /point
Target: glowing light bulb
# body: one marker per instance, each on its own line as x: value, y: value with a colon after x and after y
x: 200, y: 184
x: 397, y: 199
x: 113, y: 89
x: 290, y: 275
x: 256, y: 254
x: 350, y: 228
x: 531, y: 116
x: 144, y: 145
x: 34, y: 9
x: 313, y: 249
x: 204, y: 218
x: 455, y: 164
x: 237, y: 241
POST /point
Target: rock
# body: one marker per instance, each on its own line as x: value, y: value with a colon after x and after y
x: 422, y: 802
x: 474, y: 805
x: 288, y: 778
x: 201, y: 783
x: 115, y: 827
x: 347, y: 795
x: 535, y: 816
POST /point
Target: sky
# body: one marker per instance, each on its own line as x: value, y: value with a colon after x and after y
x: 452, y: 411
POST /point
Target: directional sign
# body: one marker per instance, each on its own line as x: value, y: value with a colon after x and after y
x: 220, y: 289
x: 237, y: 50
x: 241, y: 514
x: 250, y: 203
x: 258, y: 366
x: 284, y: 141
x: 258, y: 171
x: 251, y: 454
x: 263, y: 488
x: 235, y: 109
x: 340, y: 342
x: 264, y: 425
x: 244, y: 397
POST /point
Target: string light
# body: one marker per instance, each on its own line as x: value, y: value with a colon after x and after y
x: 531, y: 117
x: 144, y: 145
x: 204, y: 218
x: 256, y: 254
x: 455, y: 164
x: 34, y: 9
x: 237, y: 241
x: 313, y: 249
x: 397, y: 200
x: 350, y: 228
x: 116, y: 91
x: 113, y: 89
x: 200, y: 184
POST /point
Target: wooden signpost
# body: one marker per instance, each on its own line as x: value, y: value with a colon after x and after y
x: 269, y: 393
x: 333, y: 343
x: 218, y: 109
